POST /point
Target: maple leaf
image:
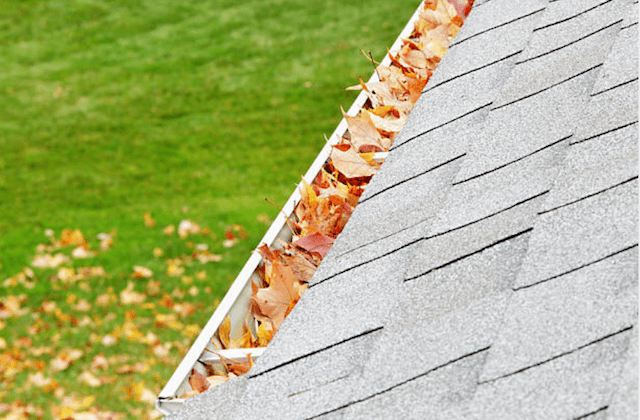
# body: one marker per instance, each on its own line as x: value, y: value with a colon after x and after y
x: 415, y: 59
x: 388, y: 123
x: 39, y: 380
x: 90, y: 272
x: 174, y: 270
x: 198, y: 381
x: 364, y: 134
x: 316, y: 242
x: 275, y: 301
x: 350, y: 164
x: 65, y: 359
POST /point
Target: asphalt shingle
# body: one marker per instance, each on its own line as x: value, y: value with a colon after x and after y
x: 436, y: 391
x: 622, y: 65
x: 530, y: 77
x: 609, y: 110
x: 567, y: 387
x: 624, y: 404
x: 524, y: 127
x: 550, y: 39
x: 596, y: 165
x: 446, y: 314
x: 559, y: 315
x: 581, y: 233
x: 520, y: 181
x: 558, y: 12
x: 442, y: 249
x: 495, y: 14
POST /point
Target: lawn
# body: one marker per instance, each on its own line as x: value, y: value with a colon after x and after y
x: 193, y: 110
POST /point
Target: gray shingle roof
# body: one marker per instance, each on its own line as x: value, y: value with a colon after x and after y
x: 491, y: 267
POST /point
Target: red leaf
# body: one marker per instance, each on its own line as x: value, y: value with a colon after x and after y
x: 316, y: 242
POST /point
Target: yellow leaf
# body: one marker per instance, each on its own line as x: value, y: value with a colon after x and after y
x: 224, y: 331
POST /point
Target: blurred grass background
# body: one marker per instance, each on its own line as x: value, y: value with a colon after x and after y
x: 187, y: 110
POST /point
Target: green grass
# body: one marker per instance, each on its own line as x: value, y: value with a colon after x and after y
x: 113, y: 109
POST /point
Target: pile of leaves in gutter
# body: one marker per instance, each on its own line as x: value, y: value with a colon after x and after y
x: 327, y: 203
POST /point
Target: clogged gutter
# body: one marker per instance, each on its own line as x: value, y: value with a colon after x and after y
x: 327, y: 203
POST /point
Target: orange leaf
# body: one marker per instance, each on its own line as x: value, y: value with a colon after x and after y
x: 224, y: 331
x: 198, y: 381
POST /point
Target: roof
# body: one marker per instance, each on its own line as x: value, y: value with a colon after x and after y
x: 490, y: 268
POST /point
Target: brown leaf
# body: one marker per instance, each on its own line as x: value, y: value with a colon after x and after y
x: 316, y: 242
x: 363, y: 132
x: 389, y: 123
x: 415, y: 58
x: 350, y: 164
x: 198, y: 381
x: 275, y: 301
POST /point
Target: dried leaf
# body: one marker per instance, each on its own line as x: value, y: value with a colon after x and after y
x: 316, y: 242
x: 129, y: 296
x: 141, y: 272
x: 364, y: 134
x: 350, y: 164
x: 198, y: 381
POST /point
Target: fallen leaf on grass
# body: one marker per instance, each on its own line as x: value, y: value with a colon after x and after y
x: 148, y: 220
x: 129, y: 296
x: 187, y: 227
x: 50, y: 261
x: 39, y: 380
x: 10, y: 306
x: 89, y: 379
x: 141, y: 272
x: 71, y: 237
x: 174, y: 270
x: 83, y: 252
x: 82, y: 306
x: 65, y: 358
x: 106, y: 240
x: 99, y: 362
x: 109, y: 340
